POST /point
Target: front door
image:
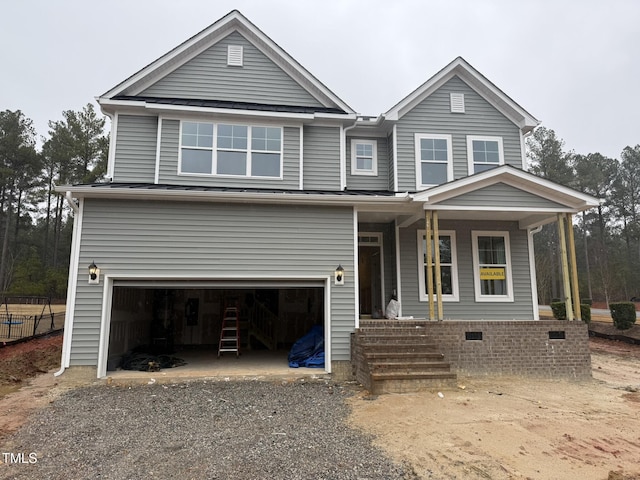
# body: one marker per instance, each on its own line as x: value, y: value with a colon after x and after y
x: 370, y: 268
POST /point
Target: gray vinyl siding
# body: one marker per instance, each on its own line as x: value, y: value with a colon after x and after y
x: 369, y: 182
x: 135, y: 152
x: 321, y: 158
x: 391, y: 167
x: 208, y: 77
x: 200, y: 240
x: 169, y: 157
x: 433, y: 115
x: 467, y: 308
x: 499, y: 195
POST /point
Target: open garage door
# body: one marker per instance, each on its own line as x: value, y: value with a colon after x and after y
x: 185, y: 319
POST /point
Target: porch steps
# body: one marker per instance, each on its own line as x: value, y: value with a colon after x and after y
x: 398, y: 357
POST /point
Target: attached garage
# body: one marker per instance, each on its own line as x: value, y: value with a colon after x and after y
x: 185, y: 318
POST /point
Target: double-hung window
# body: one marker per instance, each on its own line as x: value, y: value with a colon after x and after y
x: 226, y: 149
x: 434, y: 159
x: 364, y: 157
x: 492, y: 266
x: 484, y: 153
x: 448, y: 265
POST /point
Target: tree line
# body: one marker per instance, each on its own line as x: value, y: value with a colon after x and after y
x: 35, y: 222
x: 607, y: 237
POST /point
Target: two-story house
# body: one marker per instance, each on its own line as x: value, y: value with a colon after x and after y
x: 238, y: 178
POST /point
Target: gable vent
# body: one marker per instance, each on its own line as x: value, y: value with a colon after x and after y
x: 457, y: 102
x: 234, y: 55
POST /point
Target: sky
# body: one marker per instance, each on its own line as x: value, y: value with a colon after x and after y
x: 572, y: 64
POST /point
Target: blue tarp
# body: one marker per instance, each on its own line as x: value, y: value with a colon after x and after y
x: 308, y: 351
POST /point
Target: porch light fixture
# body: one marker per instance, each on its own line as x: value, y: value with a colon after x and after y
x: 339, y: 275
x: 94, y: 274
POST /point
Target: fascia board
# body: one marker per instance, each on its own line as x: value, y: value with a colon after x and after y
x: 242, y: 197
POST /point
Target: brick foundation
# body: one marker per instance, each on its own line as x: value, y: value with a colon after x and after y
x: 546, y: 348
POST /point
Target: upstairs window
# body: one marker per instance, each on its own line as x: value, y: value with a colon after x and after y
x: 448, y: 265
x: 235, y: 150
x: 364, y: 157
x: 492, y: 267
x: 434, y: 157
x: 484, y: 153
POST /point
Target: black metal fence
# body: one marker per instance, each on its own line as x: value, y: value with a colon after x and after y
x: 14, y: 326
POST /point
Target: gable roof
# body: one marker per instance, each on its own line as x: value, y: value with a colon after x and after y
x: 478, y: 82
x: 232, y: 22
x: 455, y: 196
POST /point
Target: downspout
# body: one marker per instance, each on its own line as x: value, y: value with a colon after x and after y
x: 343, y: 155
x: 532, y: 273
x: 71, y: 285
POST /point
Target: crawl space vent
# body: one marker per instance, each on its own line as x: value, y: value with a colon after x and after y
x: 234, y: 55
x: 457, y: 102
x: 557, y: 335
x: 473, y: 335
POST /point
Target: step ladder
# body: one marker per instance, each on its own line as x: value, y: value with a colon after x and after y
x: 230, y: 332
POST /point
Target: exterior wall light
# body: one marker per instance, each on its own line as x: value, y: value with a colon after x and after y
x: 94, y: 274
x: 339, y: 275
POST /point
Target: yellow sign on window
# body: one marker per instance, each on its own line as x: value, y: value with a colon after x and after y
x: 492, y: 273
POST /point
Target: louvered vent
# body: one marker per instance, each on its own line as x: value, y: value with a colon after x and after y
x: 457, y: 102
x: 234, y: 55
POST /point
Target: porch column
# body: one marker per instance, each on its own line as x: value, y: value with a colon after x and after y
x: 565, y: 268
x: 436, y: 248
x: 427, y: 221
x: 575, y: 287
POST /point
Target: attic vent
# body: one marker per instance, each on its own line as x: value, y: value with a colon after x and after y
x: 234, y: 55
x: 457, y: 102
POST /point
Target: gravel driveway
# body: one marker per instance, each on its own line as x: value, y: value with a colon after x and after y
x: 199, y: 430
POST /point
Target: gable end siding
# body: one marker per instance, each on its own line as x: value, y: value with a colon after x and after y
x: 135, y: 152
x: 499, y: 195
x: 433, y: 115
x: 208, y: 77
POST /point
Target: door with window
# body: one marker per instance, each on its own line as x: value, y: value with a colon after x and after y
x: 370, y: 275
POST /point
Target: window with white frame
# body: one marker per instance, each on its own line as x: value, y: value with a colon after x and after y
x: 448, y: 265
x: 492, y: 266
x: 364, y: 157
x: 484, y: 153
x: 227, y: 149
x: 434, y: 159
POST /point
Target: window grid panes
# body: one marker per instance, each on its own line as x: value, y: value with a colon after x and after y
x: 485, y: 154
x: 364, y: 156
x: 446, y: 264
x: 492, y: 259
x: 434, y: 158
x: 240, y: 150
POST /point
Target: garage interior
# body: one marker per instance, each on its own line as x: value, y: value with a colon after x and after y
x: 186, y: 322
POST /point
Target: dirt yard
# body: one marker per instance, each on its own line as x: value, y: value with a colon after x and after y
x: 487, y: 428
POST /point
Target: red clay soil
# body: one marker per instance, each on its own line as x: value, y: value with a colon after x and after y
x: 21, y: 361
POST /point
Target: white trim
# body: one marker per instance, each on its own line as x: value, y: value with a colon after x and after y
x: 418, y: 157
x: 72, y: 285
x: 380, y: 244
x: 301, y: 172
x: 476, y: 266
x: 156, y: 177
x: 109, y: 280
x: 471, y: 163
x: 398, y: 270
x: 356, y: 268
x: 455, y: 296
x: 111, y: 158
x: 354, y: 157
x: 532, y: 272
x: 395, y: 157
x: 343, y: 159
x: 523, y: 153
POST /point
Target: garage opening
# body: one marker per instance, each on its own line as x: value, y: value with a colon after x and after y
x: 186, y: 322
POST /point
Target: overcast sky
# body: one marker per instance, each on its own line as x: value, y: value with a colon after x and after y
x: 573, y: 64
